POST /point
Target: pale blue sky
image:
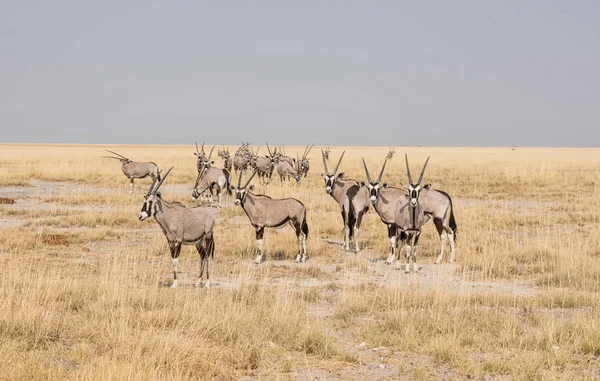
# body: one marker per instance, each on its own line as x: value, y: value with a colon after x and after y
x: 436, y: 73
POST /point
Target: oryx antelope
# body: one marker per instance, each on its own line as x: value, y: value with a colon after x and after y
x: 353, y: 201
x: 326, y: 152
x: 386, y: 202
x: 435, y: 203
x: 285, y: 170
x: 200, y: 154
x: 136, y: 170
x: 304, y: 164
x: 241, y: 158
x: 265, y: 165
x: 210, y: 178
x: 390, y: 154
x: 265, y: 212
x: 182, y: 226
x: 224, y: 154
x: 410, y: 217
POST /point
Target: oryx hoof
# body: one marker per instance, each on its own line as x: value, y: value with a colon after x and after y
x: 437, y: 262
x: 298, y: 258
x: 258, y: 260
x: 305, y: 258
x: 174, y: 285
x: 389, y: 263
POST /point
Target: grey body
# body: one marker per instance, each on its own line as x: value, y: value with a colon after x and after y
x: 285, y: 170
x: 210, y: 178
x: 437, y: 205
x: 304, y: 164
x: 136, y: 170
x: 352, y: 199
x: 265, y: 212
x: 182, y: 226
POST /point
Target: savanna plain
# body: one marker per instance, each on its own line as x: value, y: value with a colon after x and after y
x: 84, y: 285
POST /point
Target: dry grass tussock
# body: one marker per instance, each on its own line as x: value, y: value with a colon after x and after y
x: 84, y: 284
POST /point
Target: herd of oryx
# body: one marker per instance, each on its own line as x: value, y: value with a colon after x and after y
x: 404, y: 210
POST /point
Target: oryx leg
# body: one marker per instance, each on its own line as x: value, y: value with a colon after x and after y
x: 346, y: 232
x: 201, y: 247
x: 441, y: 229
x: 414, y: 252
x: 451, y: 237
x: 175, y: 250
x: 130, y: 186
x: 260, y: 231
x: 298, y: 229
x: 392, y: 236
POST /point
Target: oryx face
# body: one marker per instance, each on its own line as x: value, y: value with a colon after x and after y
x: 374, y: 189
x: 330, y: 182
x: 413, y: 194
x: 149, y: 206
x: 240, y: 194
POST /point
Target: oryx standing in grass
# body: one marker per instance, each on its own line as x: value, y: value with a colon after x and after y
x: 241, y: 158
x: 285, y: 170
x: 410, y: 217
x: 224, y: 154
x: 353, y: 200
x: 326, y: 152
x: 387, y: 201
x: 265, y: 212
x: 182, y: 226
x: 304, y: 163
x: 136, y: 170
x: 199, y: 154
x: 265, y: 165
x: 390, y: 154
x: 210, y: 178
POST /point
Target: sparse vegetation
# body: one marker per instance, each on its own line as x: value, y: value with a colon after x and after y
x: 84, y: 293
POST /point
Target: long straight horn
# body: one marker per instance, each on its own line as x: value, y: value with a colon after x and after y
x: 197, y: 150
x: 250, y: 179
x: 152, y: 186
x: 269, y: 148
x: 367, y: 171
x: 408, y: 170
x: 114, y: 153
x: 381, y: 173
x: 423, y: 171
x: 240, y: 178
x: 112, y: 157
x: 162, y: 180
x: 211, y: 151
x: 325, y: 163
x: 338, y: 164
x: 307, y: 152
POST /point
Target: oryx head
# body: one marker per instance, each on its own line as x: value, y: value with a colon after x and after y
x: 304, y: 165
x: 391, y: 153
x: 152, y: 199
x: 119, y: 157
x: 242, y: 191
x: 415, y: 188
x: 373, y: 186
x: 204, y: 163
x: 326, y: 152
x: 331, y: 177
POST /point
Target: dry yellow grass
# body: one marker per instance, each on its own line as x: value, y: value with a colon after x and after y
x: 83, y: 282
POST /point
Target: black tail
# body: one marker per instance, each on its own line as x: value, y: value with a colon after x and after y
x: 452, y: 221
x: 305, y: 227
x: 351, y: 220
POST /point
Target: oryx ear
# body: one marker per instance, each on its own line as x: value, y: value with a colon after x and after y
x: 426, y: 187
x: 340, y: 175
x: 404, y: 187
x: 250, y: 188
x: 324, y: 176
x: 385, y: 186
x: 362, y: 184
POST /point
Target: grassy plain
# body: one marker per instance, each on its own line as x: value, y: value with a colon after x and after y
x: 84, y: 284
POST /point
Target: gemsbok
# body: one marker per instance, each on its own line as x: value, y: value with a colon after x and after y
x: 136, y: 170
x: 211, y: 178
x: 182, y: 226
x: 353, y: 201
x: 265, y: 212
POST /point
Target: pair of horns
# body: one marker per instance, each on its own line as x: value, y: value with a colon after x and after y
x: 247, y: 182
x: 120, y: 157
x: 369, y: 175
x: 422, y: 171
x: 306, y: 151
x: 336, y: 167
x: 152, y: 189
